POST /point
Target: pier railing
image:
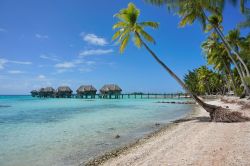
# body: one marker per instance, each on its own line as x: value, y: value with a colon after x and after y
x: 135, y: 96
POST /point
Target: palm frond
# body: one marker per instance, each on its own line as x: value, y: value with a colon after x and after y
x: 137, y: 41
x: 146, y: 36
x: 151, y: 24
x: 124, y: 43
x: 116, y: 35
x: 120, y: 25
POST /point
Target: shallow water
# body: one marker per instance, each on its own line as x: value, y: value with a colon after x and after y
x: 38, y: 132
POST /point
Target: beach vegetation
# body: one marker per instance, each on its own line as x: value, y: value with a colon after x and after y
x: 203, y: 81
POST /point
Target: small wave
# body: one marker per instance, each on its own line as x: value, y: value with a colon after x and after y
x: 4, y: 106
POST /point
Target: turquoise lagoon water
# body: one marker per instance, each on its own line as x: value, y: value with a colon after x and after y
x: 39, y: 132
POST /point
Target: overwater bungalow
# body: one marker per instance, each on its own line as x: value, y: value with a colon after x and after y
x: 49, y: 92
x: 41, y: 92
x: 64, y: 91
x: 86, y: 91
x: 44, y: 92
x: 34, y: 93
x: 110, y: 90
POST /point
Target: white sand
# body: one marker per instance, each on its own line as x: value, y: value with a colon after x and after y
x: 195, y: 142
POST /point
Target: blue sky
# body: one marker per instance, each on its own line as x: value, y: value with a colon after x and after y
x: 52, y: 43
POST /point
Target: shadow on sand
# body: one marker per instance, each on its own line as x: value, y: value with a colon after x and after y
x: 200, y: 119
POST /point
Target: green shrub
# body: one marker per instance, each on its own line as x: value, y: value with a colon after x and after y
x: 239, y: 91
x: 247, y: 79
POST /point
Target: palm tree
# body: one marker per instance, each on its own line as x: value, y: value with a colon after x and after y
x: 215, y: 24
x: 191, y: 11
x: 235, y: 40
x: 216, y: 55
x: 245, y: 49
x: 128, y: 26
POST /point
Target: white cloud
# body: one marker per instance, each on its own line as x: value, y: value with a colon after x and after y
x: 69, y: 64
x: 20, y: 62
x: 51, y: 58
x: 3, y: 62
x: 94, y: 39
x: 65, y: 65
x: 85, y: 70
x: 78, y: 64
x: 2, y: 30
x: 39, y: 36
x: 41, y: 76
x: 15, y: 72
x: 95, y: 52
x: 90, y: 62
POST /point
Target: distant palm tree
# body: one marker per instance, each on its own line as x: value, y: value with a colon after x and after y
x: 193, y: 10
x: 216, y: 55
x: 235, y: 40
x: 215, y: 24
x: 128, y: 26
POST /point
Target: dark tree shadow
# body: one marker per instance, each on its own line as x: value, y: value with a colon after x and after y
x: 199, y: 119
x: 202, y: 119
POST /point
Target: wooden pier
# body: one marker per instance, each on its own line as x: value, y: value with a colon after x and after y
x: 135, y: 96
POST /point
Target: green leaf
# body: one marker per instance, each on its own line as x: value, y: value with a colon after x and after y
x: 146, y: 36
x: 137, y: 41
x: 124, y: 43
x: 116, y: 35
x: 120, y: 25
x: 154, y: 25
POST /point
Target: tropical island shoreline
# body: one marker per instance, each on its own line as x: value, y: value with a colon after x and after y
x: 190, y: 140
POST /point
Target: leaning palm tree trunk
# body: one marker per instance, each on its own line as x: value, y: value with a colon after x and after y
x: 227, y: 84
x: 241, y: 68
x: 209, y: 108
x: 230, y: 74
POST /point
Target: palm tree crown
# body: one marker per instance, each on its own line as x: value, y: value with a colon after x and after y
x: 128, y: 25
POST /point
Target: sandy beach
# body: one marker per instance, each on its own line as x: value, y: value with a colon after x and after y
x: 195, y: 141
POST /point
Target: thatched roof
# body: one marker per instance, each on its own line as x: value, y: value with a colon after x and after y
x: 110, y: 87
x: 41, y: 90
x: 86, y: 88
x: 34, y: 91
x: 49, y: 89
x: 64, y: 89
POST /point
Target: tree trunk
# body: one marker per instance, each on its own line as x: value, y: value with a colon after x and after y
x: 241, y: 68
x: 209, y: 108
x: 208, y: 88
x: 231, y: 76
